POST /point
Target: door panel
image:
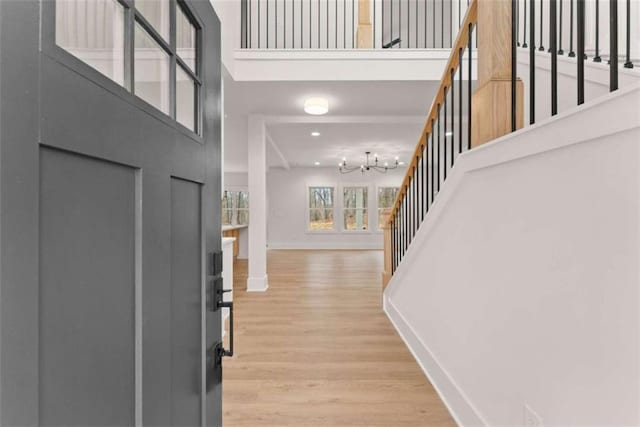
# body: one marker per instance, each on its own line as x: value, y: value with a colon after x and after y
x: 186, y: 302
x: 108, y: 210
x: 87, y: 291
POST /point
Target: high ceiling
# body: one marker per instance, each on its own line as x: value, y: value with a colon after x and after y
x: 381, y: 117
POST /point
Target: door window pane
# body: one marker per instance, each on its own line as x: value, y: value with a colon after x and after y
x: 320, y: 208
x: 151, y: 71
x: 185, y: 39
x: 93, y: 31
x: 355, y: 208
x: 185, y: 99
x: 386, y: 199
x: 156, y: 12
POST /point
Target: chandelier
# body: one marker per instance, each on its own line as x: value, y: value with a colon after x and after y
x: 367, y: 166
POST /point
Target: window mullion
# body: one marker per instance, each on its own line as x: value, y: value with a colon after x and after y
x: 172, y: 45
x: 129, y: 49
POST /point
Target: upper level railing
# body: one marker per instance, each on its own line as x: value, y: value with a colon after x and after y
x: 465, y: 114
x: 350, y: 24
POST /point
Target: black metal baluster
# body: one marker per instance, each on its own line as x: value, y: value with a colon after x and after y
x: 628, y: 63
x: 416, y: 187
x: 400, y: 23
x: 426, y: 173
x: 310, y: 24
x: 470, y: 87
x: 597, y: 57
x: 571, y: 52
x: 425, y: 23
x: 400, y: 230
x: 514, y: 33
x: 439, y: 149
x: 433, y: 164
x: 416, y: 46
x: 409, y: 212
x: 444, y: 139
x: 560, y: 51
x: 408, y: 26
x: 581, y: 55
x: 425, y: 177
x: 517, y: 22
x: 541, y: 47
x: 434, y: 23
x: 442, y: 24
x: 393, y: 244
x: 524, y: 31
x: 453, y: 115
x: 532, y: 69
x: 406, y: 218
x: 613, y: 45
x: 460, y: 100
x: 243, y: 24
x: 554, y: 57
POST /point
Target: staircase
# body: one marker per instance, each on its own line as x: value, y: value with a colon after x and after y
x: 511, y: 253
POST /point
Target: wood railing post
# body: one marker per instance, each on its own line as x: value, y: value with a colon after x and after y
x: 364, y: 38
x: 491, y: 102
x: 386, y: 273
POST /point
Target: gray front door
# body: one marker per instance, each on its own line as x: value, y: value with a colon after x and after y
x: 109, y: 211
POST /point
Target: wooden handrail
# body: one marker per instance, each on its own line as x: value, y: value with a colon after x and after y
x: 462, y: 40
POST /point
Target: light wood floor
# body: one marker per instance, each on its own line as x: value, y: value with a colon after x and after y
x: 317, y: 350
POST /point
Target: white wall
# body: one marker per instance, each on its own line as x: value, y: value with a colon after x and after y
x: 522, y: 286
x: 288, y: 208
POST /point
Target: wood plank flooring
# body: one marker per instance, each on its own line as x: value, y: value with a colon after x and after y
x: 316, y: 349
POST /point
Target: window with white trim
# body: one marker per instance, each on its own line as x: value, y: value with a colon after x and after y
x: 354, y: 203
x: 321, y: 205
x: 386, y: 199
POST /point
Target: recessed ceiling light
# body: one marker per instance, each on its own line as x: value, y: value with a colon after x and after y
x: 448, y: 133
x: 315, y: 133
x: 317, y: 163
x: 316, y: 106
x: 401, y: 163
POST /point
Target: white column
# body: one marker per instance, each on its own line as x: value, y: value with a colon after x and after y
x: 257, y: 279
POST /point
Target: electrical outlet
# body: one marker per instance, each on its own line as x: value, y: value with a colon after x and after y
x: 531, y: 419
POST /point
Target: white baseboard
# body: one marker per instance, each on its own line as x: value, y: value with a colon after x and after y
x: 326, y: 246
x: 454, y: 399
x: 257, y: 284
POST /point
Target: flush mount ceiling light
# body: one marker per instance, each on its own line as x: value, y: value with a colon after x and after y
x: 449, y: 133
x: 316, y: 106
x: 315, y: 133
x: 367, y: 166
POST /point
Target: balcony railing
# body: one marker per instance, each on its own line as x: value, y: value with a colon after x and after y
x: 350, y: 24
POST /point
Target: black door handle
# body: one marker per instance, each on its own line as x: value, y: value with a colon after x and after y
x: 223, y: 352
